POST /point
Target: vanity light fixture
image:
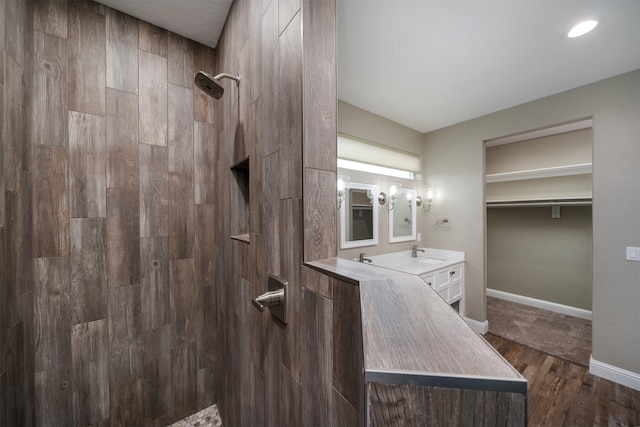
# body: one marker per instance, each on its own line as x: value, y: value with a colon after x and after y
x: 582, y: 28
x: 393, y: 194
x: 428, y: 201
x: 382, y: 198
x: 343, y: 186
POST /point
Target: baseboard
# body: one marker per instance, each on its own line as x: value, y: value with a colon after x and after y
x: 480, y: 327
x: 615, y: 374
x: 546, y: 305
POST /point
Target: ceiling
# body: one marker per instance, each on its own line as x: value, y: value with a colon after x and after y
x: 199, y: 20
x: 428, y: 64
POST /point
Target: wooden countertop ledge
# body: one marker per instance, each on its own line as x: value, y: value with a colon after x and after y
x: 411, y: 336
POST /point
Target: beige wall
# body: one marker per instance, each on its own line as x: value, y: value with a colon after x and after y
x: 531, y: 254
x: 363, y: 124
x: 454, y: 166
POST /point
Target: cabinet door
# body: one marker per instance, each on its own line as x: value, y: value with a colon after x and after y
x: 442, y: 279
x: 455, y: 291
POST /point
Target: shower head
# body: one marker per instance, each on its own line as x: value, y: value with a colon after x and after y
x: 209, y: 84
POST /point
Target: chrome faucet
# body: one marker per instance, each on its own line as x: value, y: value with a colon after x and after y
x: 361, y: 258
x: 415, y: 250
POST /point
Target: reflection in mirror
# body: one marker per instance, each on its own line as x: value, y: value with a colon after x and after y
x: 402, y: 216
x: 359, y: 216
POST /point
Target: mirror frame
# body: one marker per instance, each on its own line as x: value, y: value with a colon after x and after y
x: 347, y: 244
x: 412, y: 206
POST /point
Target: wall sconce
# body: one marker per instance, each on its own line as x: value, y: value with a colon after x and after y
x: 343, y: 186
x: 393, y: 194
x: 428, y: 201
x: 382, y: 198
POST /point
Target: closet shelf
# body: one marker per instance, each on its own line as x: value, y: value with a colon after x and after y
x: 577, y: 169
x: 539, y: 202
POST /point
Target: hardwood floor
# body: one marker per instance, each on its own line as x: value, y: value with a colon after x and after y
x: 562, y: 393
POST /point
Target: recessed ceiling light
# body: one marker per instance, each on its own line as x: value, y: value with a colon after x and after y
x: 582, y: 28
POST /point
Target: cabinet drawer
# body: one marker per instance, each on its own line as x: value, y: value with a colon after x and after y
x: 429, y: 279
x: 455, y: 273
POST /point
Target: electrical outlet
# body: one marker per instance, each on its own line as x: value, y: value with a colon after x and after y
x: 633, y: 253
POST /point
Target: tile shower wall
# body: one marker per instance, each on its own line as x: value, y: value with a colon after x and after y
x: 107, y: 226
x: 283, y: 118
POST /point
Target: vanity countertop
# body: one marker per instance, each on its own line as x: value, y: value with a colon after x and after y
x: 426, y: 261
x: 411, y: 336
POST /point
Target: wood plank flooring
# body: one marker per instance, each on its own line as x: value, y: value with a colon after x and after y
x: 562, y: 393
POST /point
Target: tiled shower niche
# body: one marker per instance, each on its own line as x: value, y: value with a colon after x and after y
x: 240, y: 173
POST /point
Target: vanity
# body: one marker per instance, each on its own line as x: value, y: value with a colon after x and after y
x: 441, y: 269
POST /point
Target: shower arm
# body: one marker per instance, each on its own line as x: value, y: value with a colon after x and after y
x: 228, y: 76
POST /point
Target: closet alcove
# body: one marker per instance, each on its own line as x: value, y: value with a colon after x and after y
x: 539, y: 222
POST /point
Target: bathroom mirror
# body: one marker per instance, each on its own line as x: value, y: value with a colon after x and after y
x: 359, y: 216
x: 402, y: 216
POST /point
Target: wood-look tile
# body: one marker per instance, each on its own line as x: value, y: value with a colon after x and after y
x: 347, y: 342
x: 2, y: 185
x: 2, y: 46
x: 290, y: 119
x: 4, y: 300
x: 152, y: 98
x: 50, y: 202
x: 53, y: 396
x: 154, y: 190
x: 86, y: 45
x: 317, y: 368
x: 154, y: 277
x: 28, y: 336
x: 205, y: 244
x: 50, y: 16
x: 416, y: 405
x: 343, y: 413
x: 256, y: 178
x: 180, y: 61
x: 271, y: 207
x: 88, y: 269
x: 13, y: 123
x: 290, y: 408
x: 287, y: 10
x: 183, y: 288
x: 270, y: 81
x: 153, y: 39
x: 206, y: 388
x: 123, y: 241
x: 122, y: 139
x: 14, y: 260
x: 156, y: 365
x: 205, y: 153
x: 203, y: 104
x: 15, y: 29
x: 181, y: 216
x: 52, y: 313
x: 90, y: 366
x: 205, y: 327
x: 14, y: 390
x: 125, y: 342
x: 122, y: 51
x: 320, y: 214
x: 125, y: 404
x: 320, y: 85
x: 87, y: 164
x: 48, y: 104
x: 184, y: 381
x: 180, y: 129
